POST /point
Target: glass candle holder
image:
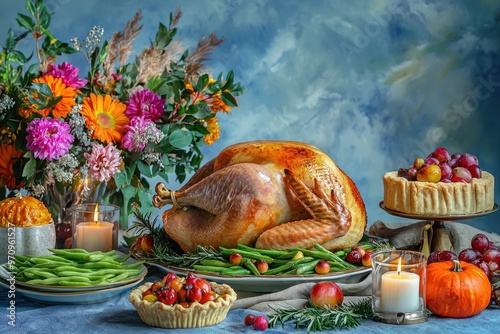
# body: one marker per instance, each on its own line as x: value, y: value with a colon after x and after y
x: 398, y: 291
x: 95, y: 226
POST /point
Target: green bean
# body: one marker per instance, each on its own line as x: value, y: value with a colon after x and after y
x: 57, y: 280
x: 250, y: 266
x: 280, y: 269
x: 199, y: 267
x: 336, y: 258
x: 78, y: 254
x: 269, y: 252
x: 42, y: 273
x: 235, y: 271
x: 216, y: 263
x: 119, y: 277
x: 304, y: 267
x: 247, y: 254
x: 72, y: 268
x: 74, y: 283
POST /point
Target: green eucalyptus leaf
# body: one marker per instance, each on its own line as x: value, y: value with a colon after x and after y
x: 180, y: 138
x: 29, y: 169
x: 144, y: 168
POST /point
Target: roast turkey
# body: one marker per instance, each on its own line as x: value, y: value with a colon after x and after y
x: 267, y: 194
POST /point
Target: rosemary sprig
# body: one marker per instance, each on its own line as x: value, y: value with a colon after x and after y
x: 314, y: 319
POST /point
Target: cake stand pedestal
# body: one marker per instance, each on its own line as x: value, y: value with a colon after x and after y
x: 440, y: 239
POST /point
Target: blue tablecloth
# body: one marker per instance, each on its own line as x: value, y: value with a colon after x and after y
x: 119, y: 316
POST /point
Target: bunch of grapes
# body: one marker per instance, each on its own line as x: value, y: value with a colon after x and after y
x: 482, y: 253
x: 440, y: 166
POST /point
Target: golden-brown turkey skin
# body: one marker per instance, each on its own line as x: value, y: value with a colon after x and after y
x: 335, y: 221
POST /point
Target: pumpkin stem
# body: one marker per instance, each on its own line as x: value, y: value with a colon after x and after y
x: 19, y: 196
x: 456, y: 267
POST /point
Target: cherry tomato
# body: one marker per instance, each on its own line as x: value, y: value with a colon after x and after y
x: 168, y: 296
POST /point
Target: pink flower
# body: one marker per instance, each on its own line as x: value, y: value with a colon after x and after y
x: 103, y: 162
x: 48, y: 138
x: 140, y: 132
x: 147, y: 103
x: 68, y: 73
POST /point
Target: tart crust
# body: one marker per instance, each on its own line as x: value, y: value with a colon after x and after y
x: 438, y: 199
x: 157, y: 314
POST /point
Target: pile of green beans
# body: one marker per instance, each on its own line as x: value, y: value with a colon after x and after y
x: 280, y: 262
x: 74, y: 267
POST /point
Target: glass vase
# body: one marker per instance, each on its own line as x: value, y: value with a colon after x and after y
x: 60, y: 199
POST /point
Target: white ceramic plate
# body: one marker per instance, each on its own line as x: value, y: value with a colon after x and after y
x: 86, y: 297
x: 4, y: 274
x: 272, y: 283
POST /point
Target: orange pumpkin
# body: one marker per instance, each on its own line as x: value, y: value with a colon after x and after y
x: 456, y: 289
x: 23, y: 211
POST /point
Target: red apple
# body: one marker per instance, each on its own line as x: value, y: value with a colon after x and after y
x: 322, y: 267
x: 326, y: 294
x: 366, y: 260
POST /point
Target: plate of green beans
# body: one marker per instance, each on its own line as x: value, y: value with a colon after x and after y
x: 73, y: 270
x: 285, y: 267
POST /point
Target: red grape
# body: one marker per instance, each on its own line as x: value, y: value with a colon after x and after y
x: 491, y: 254
x: 441, y: 154
x: 480, y: 242
x: 431, y: 161
x: 260, y: 323
x: 249, y: 319
x: 457, y: 179
x: 463, y: 173
x: 433, y: 257
x: 447, y: 256
x: 446, y: 171
x: 467, y: 159
x: 492, y: 266
x: 475, y: 171
x: 469, y: 255
x: 484, y: 267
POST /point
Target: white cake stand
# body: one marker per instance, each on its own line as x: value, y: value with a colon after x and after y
x: 440, y: 239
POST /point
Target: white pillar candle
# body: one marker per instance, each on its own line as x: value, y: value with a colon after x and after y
x: 400, y: 291
x: 94, y: 236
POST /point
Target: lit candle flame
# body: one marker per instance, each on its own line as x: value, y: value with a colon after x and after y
x: 96, y: 213
x: 399, y: 266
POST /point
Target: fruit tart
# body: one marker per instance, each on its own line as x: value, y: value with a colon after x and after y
x: 182, y: 302
x: 442, y: 184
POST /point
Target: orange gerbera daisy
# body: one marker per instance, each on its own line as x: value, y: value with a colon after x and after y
x: 59, y: 89
x: 105, y: 117
x: 212, y: 125
x: 8, y: 156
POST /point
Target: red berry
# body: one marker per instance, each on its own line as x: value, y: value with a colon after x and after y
x: 260, y: 323
x: 249, y: 319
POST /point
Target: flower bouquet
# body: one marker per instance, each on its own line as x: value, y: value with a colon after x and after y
x: 64, y: 135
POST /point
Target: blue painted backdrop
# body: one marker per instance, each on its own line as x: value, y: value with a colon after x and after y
x: 372, y: 83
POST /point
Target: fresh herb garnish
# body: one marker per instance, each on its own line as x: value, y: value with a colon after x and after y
x: 312, y: 318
